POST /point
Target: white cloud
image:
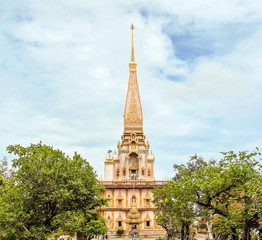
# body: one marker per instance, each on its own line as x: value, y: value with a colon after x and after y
x: 64, y: 73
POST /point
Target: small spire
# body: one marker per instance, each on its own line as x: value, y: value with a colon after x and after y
x: 133, y: 52
x: 109, y: 152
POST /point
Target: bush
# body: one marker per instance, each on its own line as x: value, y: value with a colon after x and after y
x: 159, y: 238
x: 119, y: 232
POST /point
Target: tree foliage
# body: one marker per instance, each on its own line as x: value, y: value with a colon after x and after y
x: 227, y: 192
x: 231, y: 190
x: 175, y: 210
x: 47, y: 185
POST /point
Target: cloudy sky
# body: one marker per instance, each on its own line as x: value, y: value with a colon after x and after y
x: 64, y: 75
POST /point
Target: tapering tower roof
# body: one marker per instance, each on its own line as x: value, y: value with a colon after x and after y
x: 133, y: 116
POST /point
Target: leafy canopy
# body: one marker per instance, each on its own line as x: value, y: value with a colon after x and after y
x: 46, y: 185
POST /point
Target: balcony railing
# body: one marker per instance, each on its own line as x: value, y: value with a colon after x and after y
x: 134, y: 183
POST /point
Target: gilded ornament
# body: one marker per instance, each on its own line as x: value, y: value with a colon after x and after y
x: 119, y: 145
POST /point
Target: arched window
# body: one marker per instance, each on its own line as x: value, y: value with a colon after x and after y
x: 133, y: 200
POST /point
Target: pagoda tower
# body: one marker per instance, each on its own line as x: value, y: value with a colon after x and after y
x: 129, y: 172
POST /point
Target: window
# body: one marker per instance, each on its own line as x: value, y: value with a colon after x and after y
x: 147, y: 223
x: 143, y: 172
x: 148, y: 173
x: 119, y: 202
x: 133, y: 173
x: 147, y: 202
x: 117, y: 173
x: 124, y: 172
x: 119, y: 224
x: 133, y: 199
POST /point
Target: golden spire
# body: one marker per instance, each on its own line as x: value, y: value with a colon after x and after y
x: 133, y: 116
x: 132, y: 52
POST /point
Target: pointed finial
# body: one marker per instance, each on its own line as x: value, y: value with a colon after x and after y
x: 133, y: 52
x: 109, y: 151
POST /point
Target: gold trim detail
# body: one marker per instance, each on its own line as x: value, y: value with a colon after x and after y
x: 147, y: 145
x: 119, y: 200
x: 119, y: 145
x: 133, y: 166
x: 147, y: 200
x: 132, y: 51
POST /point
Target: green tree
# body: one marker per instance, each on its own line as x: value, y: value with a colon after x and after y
x: 86, y: 224
x: 175, y: 211
x: 230, y: 189
x: 46, y: 185
x: 243, y: 201
x: 165, y: 211
x: 226, y: 192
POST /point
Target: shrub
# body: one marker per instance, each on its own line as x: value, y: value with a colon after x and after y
x: 119, y: 232
x: 159, y: 238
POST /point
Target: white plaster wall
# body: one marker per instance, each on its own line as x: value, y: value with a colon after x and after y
x: 108, y: 172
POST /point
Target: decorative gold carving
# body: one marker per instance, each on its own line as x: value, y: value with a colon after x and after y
x: 133, y: 145
x: 133, y: 166
x: 133, y: 201
x: 147, y: 218
x: 147, y: 200
x: 133, y: 115
x: 132, y: 67
x: 147, y: 145
x: 133, y: 136
x: 119, y: 218
x: 133, y: 119
x: 119, y: 200
x: 132, y: 51
x: 119, y: 145
x: 133, y: 152
x: 109, y: 160
x: 133, y: 217
x: 147, y: 221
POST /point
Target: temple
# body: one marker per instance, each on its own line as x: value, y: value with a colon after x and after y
x: 129, y: 172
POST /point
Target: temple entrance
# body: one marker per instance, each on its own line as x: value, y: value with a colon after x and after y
x: 133, y: 173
